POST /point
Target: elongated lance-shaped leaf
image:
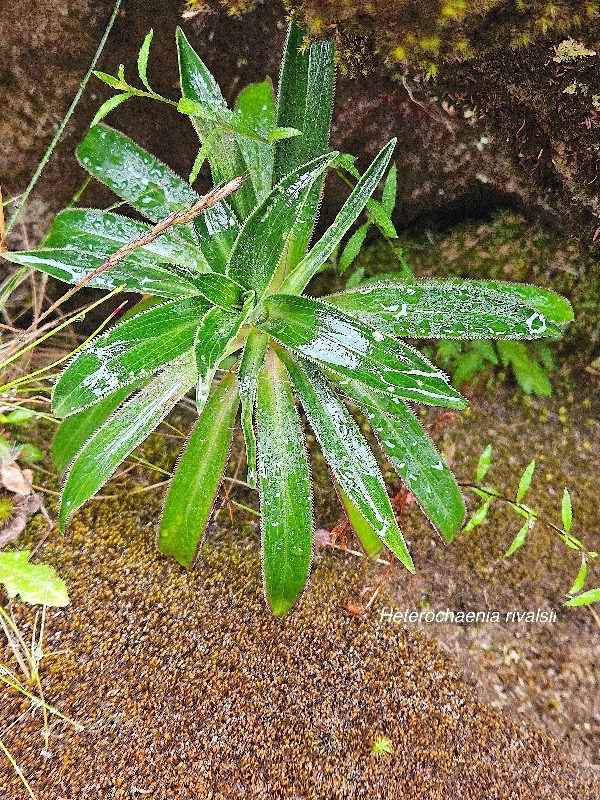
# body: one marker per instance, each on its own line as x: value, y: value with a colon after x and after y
x: 155, y: 190
x: 103, y: 233
x: 318, y: 255
x: 266, y: 233
x: 121, y: 434
x: 256, y: 107
x: 367, y: 536
x: 414, y: 457
x: 285, y: 491
x: 137, y: 273
x: 305, y: 102
x: 74, y: 431
x: 199, y: 474
x: 127, y: 352
x: 321, y: 333
x: 224, y: 155
x: 215, y: 331
x: 444, y: 310
x: 253, y: 358
x: 345, y: 450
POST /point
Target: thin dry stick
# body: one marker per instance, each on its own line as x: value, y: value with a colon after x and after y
x: 174, y: 218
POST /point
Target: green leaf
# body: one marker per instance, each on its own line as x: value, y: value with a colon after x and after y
x: 519, y: 539
x: 349, y: 212
x: 552, y: 306
x: 381, y: 219
x: 479, y: 516
x: 35, y: 583
x: 567, y: 512
x: 110, y: 80
x: 215, y: 331
x: 19, y: 416
x: 367, y: 536
x: 285, y: 490
x: 10, y: 284
x: 467, y: 366
x: 127, y: 352
x: 581, y: 576
x: 142, y: 63
x: 266, y: 233
x: 352, y: 248
x: 253, y: 358
x: 137, y: 275
x: 525, y: 481
x: 74, y: 431
x: 103, y: 233
x: 283, y: 133
x: 155, y: 191
x: 195, y: 484
x: 388, y: 200
x: 529, y: 375
x: 591, y: 596
x: 256, y: 108
x: 29, y: 452
x: 304, y: 102
x: 347, y: 453
x: 483, y: 465
x: 320, y: 332
x: 108, y: 106
x: 413, y: 455
x: 225, y: 157
x: 434, y: 309
x: 221, y: 291
x: 199, y: 161
x: 121, y: 434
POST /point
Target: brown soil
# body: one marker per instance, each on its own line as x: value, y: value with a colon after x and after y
x: 188, y: 688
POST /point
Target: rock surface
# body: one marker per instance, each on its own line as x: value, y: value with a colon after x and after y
x: 468, y: 143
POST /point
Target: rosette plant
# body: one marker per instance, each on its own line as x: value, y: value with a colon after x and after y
x: 231, y: 283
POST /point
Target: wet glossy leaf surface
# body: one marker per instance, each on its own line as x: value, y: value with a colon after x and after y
x: 349, y: 212
x: 322, y: 333
x: 347, y: 453
x: 414, y: 457
x: 253, y: 357
x: 136, y: 273
x: 224, y: 154
x: 155, y: 190
x: 267, y: 231
x: 127, y: 352
x: 198, y: 476
x: 285, y: 491
x: 103, y: 232
x: 305, y: 102
x: 444, y: 310
x: 122, y: 433
x: 74, y: 431
x: 256, y: 107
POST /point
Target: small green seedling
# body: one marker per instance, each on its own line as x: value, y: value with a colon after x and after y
x: 382, y: 747
x: 230, y: 285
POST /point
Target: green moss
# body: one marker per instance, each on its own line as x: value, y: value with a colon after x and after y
x: 411, y: 33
